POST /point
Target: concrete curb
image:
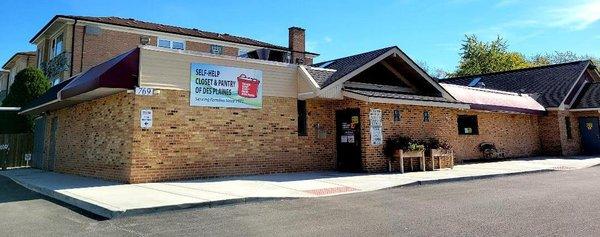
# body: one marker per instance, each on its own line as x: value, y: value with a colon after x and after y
x: 89, y: 207
x: 111, y: 214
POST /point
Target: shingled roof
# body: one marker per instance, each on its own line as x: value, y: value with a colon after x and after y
x: 589, y: 97
x: 549, y: 84
x: 343, y: 66
x: 129, y: 22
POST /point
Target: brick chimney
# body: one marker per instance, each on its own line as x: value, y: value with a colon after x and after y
x: 298, y: 46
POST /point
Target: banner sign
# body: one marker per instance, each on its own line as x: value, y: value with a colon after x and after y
x: 376, y: 127
x: 229, y: 87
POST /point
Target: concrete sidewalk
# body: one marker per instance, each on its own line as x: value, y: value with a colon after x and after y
x: 111, y: 199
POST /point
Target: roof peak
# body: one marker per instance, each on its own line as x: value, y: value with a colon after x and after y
x: 519, y: 70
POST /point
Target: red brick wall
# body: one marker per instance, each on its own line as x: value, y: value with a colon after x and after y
x: 202, y: 47
x: 108, y: 44
x: 104, y: 46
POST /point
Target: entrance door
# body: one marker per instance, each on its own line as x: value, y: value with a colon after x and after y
x: 52, y: 150
x: 348, y: 140
x: 38, y: 142
x: 590, y: 134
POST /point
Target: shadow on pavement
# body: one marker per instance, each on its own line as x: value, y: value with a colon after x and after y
x: 12, y: 192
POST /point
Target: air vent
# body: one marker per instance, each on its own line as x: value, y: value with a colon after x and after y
x: 93, y: 30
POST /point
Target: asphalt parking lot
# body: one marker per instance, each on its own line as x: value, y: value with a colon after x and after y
x: 562, y: 203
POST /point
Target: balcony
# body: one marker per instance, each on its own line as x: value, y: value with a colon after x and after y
x: 3, y: 94
x: 57, y: 65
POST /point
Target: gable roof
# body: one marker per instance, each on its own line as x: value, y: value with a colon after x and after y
x: 133, y: 23
x: 344, y: 66
x: 550, y: 84
x: 589, y: 97
x: 28, y: 53
x: 343, y: 69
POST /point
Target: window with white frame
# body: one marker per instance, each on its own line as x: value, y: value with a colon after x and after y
x: 171, y: 44
x: 57, y: 45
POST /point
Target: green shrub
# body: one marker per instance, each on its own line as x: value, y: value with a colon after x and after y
x: 30, y: 83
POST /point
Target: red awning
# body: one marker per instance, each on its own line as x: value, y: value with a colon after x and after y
x: 120, y: 72
x: 115, y: 75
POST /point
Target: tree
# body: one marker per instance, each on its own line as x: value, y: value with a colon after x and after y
x: 561, y: 57
x: 30, y: 83
x: 478, y: 57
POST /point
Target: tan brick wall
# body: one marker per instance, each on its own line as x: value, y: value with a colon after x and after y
x: 189, y: 142
x: 94, y: 138
x: 102, y: 138
x: 550, y: 136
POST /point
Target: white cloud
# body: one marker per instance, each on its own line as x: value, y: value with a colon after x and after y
x: 575, y: 16
x: 328, y: 39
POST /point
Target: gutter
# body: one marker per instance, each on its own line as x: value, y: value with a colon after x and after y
x: 10, y: 108
x: 73, y: 47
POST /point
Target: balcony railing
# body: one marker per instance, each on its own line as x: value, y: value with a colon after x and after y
x: 3, y: 94
x: 57, y: 65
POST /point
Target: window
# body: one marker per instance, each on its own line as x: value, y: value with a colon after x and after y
x: 568, y: 126
x: 397, y: 115
x: 40, y: 55
x: 216, y: 49
x: 171, y: 44
x: 426, y: 116
x: 302, y: 127
x: 57, y: 45
x: 467, y: 125
x: 177, y: 45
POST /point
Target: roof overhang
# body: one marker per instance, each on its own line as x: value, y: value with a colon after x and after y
x: 115, y: 75
x: 10, y: 109
x: 48, y: 25
x: 395, y: 52
x: 373, y: 99
x: 495, y: 100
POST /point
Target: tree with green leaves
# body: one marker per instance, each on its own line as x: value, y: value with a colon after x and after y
x: 478, y: 57
x: 561, y: 57
x: 29, y: 84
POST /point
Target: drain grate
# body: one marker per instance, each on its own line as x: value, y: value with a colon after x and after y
x: 329, y: 191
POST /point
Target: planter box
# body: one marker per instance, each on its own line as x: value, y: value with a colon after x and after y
x: 411, y: 154
x: 442, y: 153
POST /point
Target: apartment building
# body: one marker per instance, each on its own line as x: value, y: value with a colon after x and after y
x: 14, y: 65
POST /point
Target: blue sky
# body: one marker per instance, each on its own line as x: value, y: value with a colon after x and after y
x: 427, y: 30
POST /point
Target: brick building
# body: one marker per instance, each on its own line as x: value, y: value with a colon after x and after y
x: 226, y: 105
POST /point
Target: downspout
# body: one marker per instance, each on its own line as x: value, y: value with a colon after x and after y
x: 73, y: 47
x: 82, y: 44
